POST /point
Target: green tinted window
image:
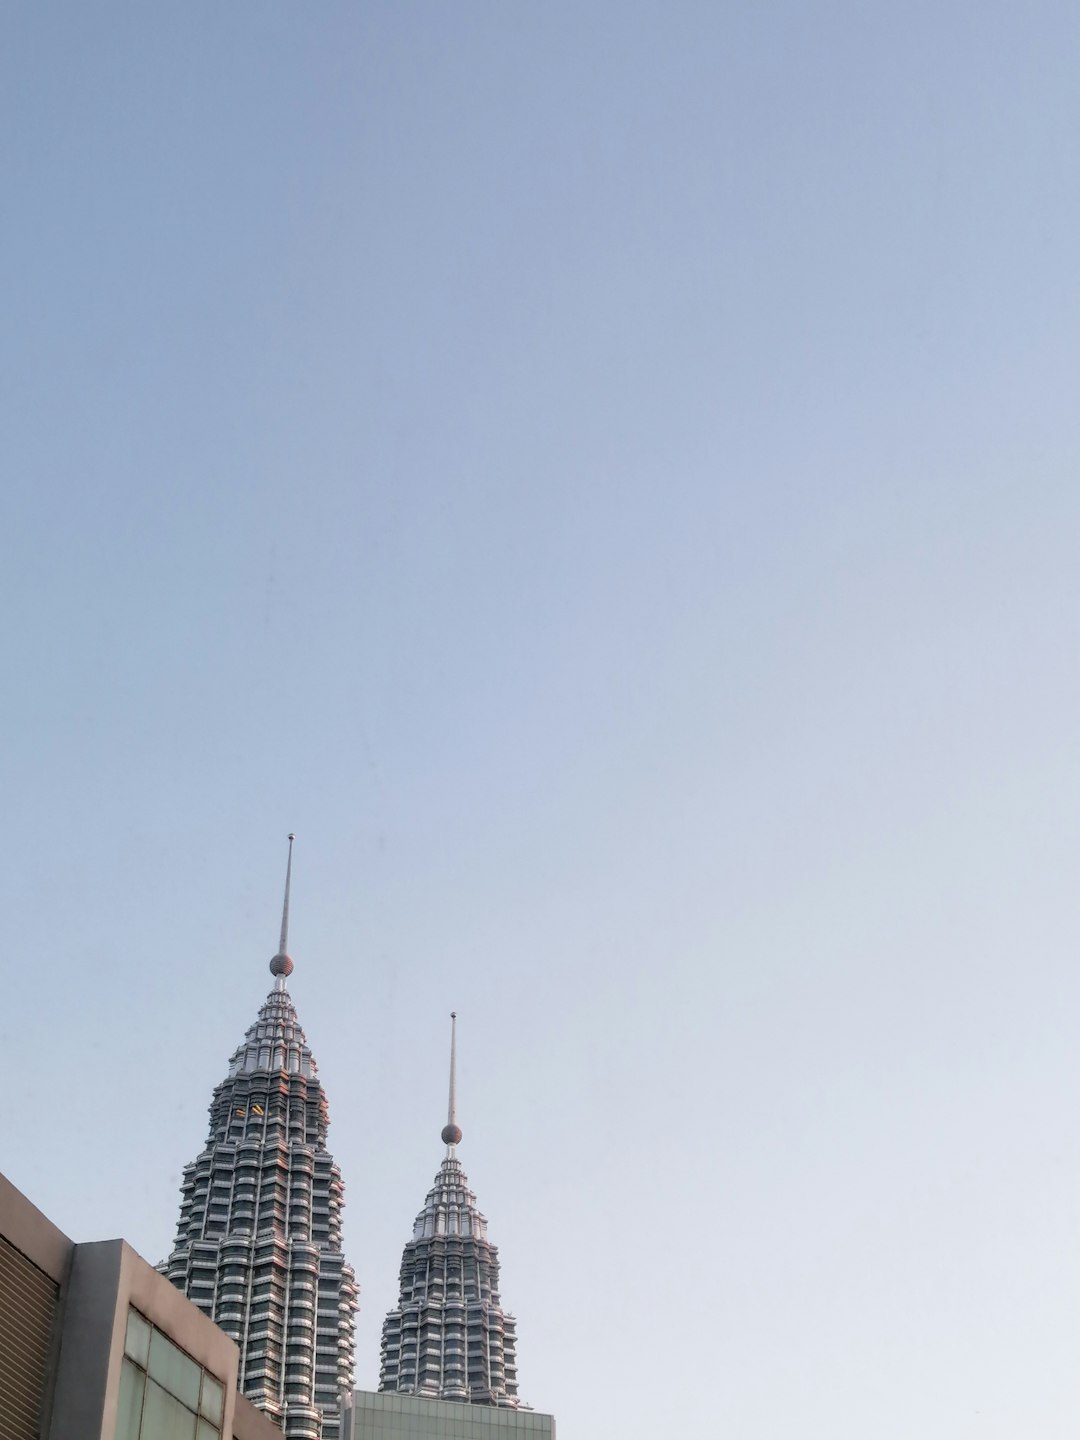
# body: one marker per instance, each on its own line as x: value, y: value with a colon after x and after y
x: 164, y: 1418
x: 129, y: 1408
x: 174, y: 1370
x: 137, y: 1339
x: 164, y: 1393
x: 213, y: 1398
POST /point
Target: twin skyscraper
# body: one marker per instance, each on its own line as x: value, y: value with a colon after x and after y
x: 258, y: 1246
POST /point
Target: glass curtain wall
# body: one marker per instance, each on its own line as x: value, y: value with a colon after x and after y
x: 164, y: 1393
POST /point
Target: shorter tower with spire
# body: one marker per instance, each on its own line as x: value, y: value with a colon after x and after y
x: 258, y: 1245
x: 449, y: 1337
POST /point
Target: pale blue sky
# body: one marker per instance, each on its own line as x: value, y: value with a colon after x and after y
x: 606, y: 476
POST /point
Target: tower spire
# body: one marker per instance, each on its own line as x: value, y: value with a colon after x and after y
x: 453, y: 1351
x: 281, y: 966
x: 451, y: 1134
x: 268, y: 1139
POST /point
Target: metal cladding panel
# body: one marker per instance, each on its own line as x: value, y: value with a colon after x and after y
x: 449, y: 1338
x: 27, y: 1311
x: 258, y: 1246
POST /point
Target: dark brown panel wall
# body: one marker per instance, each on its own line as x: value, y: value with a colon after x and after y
x: 27, y: 1309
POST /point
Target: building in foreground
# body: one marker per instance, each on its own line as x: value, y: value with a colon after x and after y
x: 258, y: 1245
x: 411, y: 1417
x: 96, y: 1345
x: 449, y: 1337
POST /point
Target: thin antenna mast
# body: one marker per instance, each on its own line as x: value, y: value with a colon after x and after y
x: 281, y: 966
x: 451, y: 1134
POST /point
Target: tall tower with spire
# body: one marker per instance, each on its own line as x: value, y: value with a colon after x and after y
x: 450, y: 1338
x: 258, y: 1245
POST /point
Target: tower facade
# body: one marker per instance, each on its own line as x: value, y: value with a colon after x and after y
x: 258, y: 1245
x: 450, y: 1338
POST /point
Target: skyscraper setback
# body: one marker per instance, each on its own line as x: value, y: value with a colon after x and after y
x: 449, y: 1337
x: 258, y: 1245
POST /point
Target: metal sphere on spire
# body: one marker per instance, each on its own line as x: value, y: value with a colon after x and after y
x: 281, y: 966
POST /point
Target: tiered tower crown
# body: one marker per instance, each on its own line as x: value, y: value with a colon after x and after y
x: 450, y: 1338
x: 258, y: 1246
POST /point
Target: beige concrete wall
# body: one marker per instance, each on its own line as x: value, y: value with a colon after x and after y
x: 252, y: 1424
x: 24, y: 1226
x: 88, y: 1324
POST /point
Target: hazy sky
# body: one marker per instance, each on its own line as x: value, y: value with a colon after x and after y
x: 607, y: 476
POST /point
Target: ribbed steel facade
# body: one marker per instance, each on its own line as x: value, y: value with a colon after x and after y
x: 450, y: 1338
x: 258, y: 1246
